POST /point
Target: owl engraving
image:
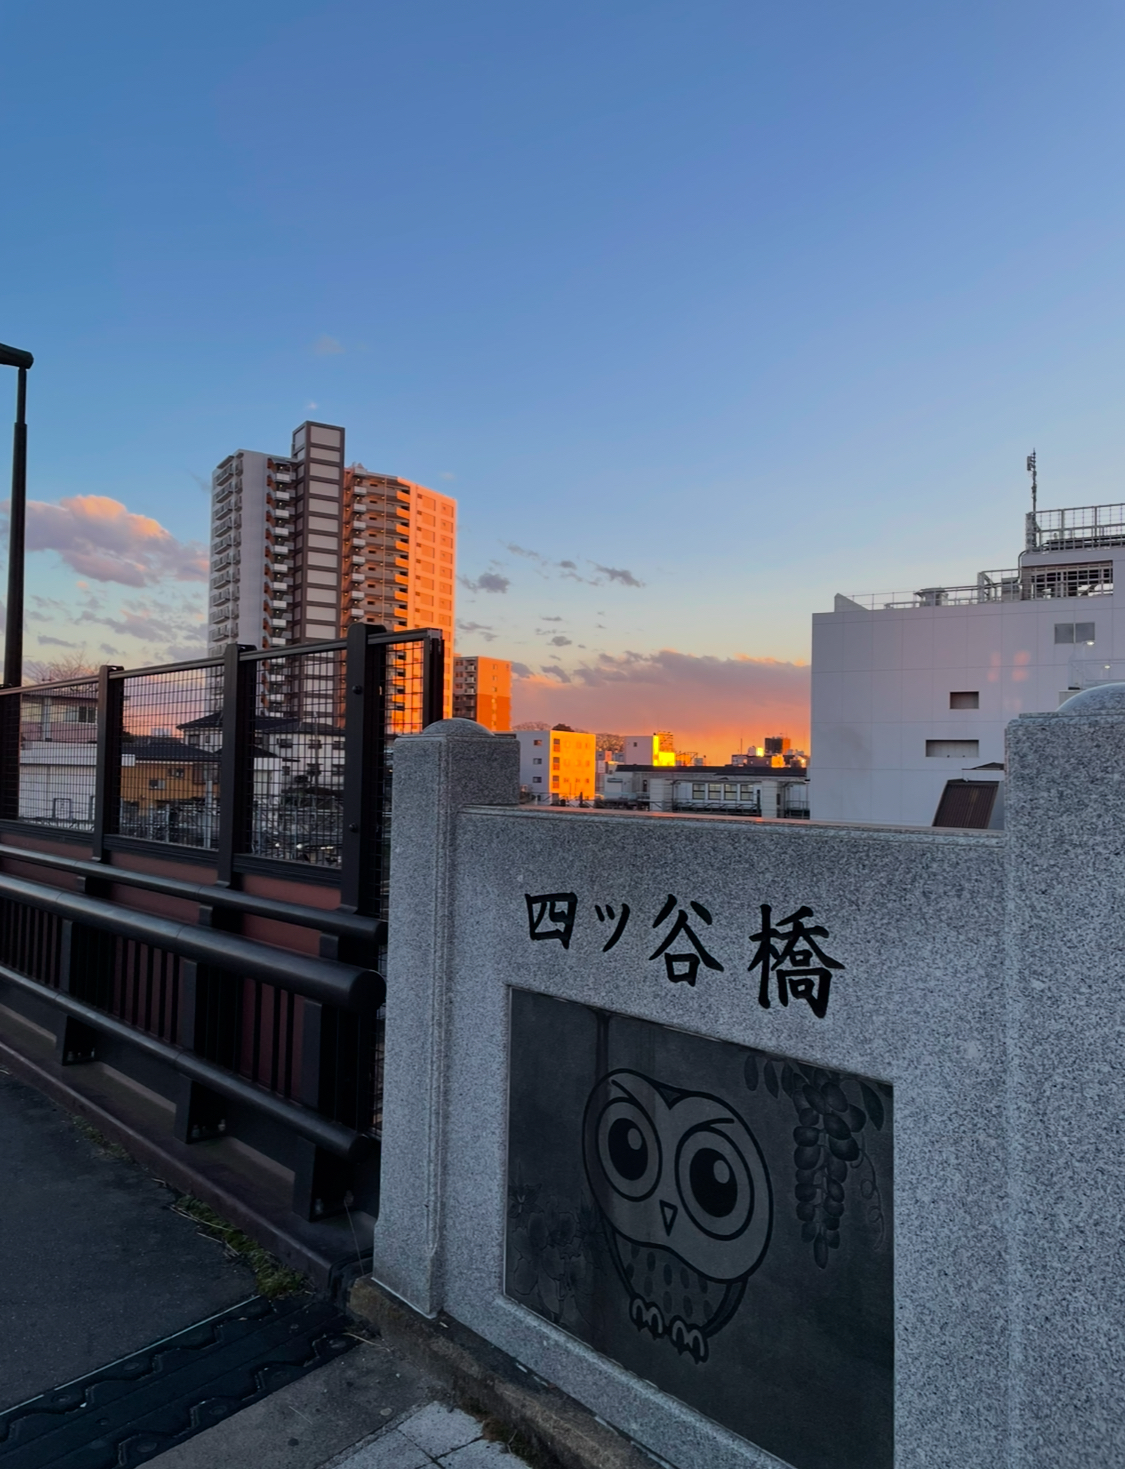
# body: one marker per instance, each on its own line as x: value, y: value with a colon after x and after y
x: 685, y: 1200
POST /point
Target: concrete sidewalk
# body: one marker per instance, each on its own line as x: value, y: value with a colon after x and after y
x: 95, y: 1265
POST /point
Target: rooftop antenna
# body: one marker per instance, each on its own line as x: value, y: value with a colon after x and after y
x: 1034, y: 482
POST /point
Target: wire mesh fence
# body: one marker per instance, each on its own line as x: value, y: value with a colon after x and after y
x: 53, y: 780
x: 163, y: 733
x: 298, y: 735
x: 170, y: 741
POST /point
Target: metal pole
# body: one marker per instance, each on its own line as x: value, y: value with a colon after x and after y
x: 13, y: 622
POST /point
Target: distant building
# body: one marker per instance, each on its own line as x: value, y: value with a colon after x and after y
x: 557, y: 764
x: 734, y: 790
x: 651, y: 749
x: 913, y: 689
x: 302, y: 547
x: 400, y: 548
x: 482, y: 690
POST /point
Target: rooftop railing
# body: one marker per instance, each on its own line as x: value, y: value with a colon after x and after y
x: 1026, y: 584
x: 1077, y: 528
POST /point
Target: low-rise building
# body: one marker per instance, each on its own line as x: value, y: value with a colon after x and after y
x: 768, y: 791
x: 557, y: 765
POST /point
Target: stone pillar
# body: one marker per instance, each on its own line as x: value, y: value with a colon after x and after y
x: 1065, y: 844
x: 451, y: 764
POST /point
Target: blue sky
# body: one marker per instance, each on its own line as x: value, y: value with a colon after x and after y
x: 752, y: 303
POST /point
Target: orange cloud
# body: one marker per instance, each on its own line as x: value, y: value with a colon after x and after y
x: 100, y: 539
x: 710, y: 704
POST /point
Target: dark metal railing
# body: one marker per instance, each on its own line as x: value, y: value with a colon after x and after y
x: 173, y: 977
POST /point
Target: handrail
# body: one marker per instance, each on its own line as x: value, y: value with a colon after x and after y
x: 347, y: 986
x: 303, y: 915
x: 341, y: 1141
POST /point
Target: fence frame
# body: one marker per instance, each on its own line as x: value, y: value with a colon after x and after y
x: 335, y: 992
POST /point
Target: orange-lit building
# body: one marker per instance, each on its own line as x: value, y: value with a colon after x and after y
x: 557, y: 764
x: 482, y: 690
x: 399, y: 553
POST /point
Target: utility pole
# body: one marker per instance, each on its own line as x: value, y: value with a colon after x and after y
x: 13, y: 622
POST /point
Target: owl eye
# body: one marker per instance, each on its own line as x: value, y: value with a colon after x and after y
x: 628, y: 1148
x: 714, y: 1182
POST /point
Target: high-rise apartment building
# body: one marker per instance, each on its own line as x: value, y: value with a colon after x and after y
x: 302, y: 547
x: 276, y: 547
x: 400, y: 542
x: 482, y: 690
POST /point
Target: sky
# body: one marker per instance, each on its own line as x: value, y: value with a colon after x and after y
x: 704, y: 312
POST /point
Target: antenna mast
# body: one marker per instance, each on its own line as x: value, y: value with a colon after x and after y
x: 1034, y: 482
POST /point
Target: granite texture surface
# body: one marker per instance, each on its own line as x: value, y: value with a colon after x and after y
x: 1066, y: 991
x: 449, y: 765
x: 981, y: 978
x: 916, y: 919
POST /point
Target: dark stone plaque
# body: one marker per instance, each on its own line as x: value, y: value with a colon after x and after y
x: 715, y: 1219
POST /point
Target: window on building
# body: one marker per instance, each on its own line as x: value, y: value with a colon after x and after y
x: 698, y: 791
x: 537, y: 742
x: 537, y: 760
x: 556, y: 744
x: 953, y: 749
x: 730, y: 793
x: 537, y: 780
x: 966, y: 699
x: 714, y: 793
x: 555, y: 763
x: 1074, y: 632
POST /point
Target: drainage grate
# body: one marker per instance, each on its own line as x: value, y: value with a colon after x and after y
x: 137, y: 1407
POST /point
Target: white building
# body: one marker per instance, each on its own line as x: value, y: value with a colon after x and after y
x: 726, y: 789
x: 912, y: 689
x: 557, y: 764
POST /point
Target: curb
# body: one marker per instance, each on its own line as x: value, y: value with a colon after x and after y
x: 564, y: 1434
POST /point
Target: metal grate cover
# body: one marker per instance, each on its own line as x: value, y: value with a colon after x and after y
x: 139, y: 1406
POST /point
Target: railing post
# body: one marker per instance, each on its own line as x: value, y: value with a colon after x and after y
x: 365, y: 672
x: 433, y: 679
x: 236, y: 761
x: 74, y: 1042
x: 200, y: 1114
x: 10, y: 707
x: 321, y: 1182
x: 107, y: 770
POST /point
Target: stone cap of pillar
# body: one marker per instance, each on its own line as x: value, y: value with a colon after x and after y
x: 457, y: 729
x: 1106, y: 698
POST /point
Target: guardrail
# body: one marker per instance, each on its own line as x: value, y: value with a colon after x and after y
x: 252, y: 1011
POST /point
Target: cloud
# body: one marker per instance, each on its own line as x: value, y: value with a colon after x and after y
x: 569, y: 565
x: 488, y: 581
x: 521, y: 670
x: 100, y: 539
x: 616, y: 573
x: 446, y: 475
x: 551, y: 619
x: 710, y: 703
x: 523, y: 551
x: 482, y: 629
x: 560, y: 642
x: 326, y: 346
x: 48, y: 641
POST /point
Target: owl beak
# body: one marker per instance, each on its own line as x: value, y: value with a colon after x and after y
x: 669, y: 1212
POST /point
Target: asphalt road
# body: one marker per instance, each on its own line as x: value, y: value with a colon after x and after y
x: 94, y: 1264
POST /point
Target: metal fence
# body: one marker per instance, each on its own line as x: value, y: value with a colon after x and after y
x: 142, y: 755
x: 272, y: 762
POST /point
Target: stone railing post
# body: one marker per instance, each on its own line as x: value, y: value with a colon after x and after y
x: 451, y: 764
x: 1066, y: 992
